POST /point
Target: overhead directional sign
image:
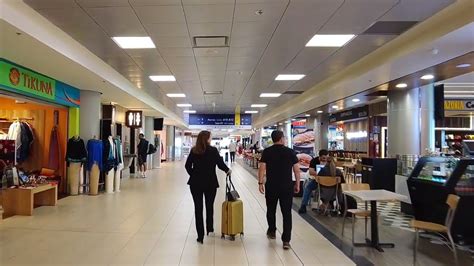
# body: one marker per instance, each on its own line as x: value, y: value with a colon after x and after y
x: 241, y: 121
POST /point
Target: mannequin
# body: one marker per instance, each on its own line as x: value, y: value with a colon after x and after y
x: 111, y: 164
x: 118, y: 169
x: 76, y: 155
x: 94, y: 164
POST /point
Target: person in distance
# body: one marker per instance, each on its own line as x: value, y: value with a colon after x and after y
x: 201, y: 167
x: 276, y: 164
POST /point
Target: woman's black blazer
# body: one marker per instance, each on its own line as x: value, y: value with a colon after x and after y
x: 202, y: 168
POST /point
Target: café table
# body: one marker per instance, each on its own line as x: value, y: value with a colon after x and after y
x: 373, y: 196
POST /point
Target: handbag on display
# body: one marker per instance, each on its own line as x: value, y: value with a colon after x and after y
x: 231, y: 193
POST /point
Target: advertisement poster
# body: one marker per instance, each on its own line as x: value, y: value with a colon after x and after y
x: 303, y: 143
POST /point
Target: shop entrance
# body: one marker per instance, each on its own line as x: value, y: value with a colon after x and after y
x: 33, y: 136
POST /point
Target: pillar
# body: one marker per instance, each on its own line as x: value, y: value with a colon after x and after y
x: 288, y: 135
x: 403, y: 122
x: 427, y: 120
x: 148, y: 129
x: 90, y: 113
x: 170, y: 134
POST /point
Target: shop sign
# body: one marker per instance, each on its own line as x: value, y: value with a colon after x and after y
x: 24, y: 80
x: 360, y: 112
x: 21, y: 80
x: 134, y: 119
x: 458, y: 105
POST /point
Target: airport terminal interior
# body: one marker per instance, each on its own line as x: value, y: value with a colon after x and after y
x: 237, y: 132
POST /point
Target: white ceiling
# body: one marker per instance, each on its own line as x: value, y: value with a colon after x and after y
x: 261, y: 46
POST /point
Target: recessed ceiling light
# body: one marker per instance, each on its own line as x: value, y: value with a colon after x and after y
x: 259, y: 105
x: 293, y: 119
x: 163, y: 78
x: 280, y: 124
x: 287, y: 121
x: 275, y: 125
x: 289, y: 77
x: 307, y: 115
x: 427, y: 77
x: 401, y: 85
x: 463, y: 65
x: 330, y: 40
x: 335, y: 107
x: 189, y: 111
x: 270, y: 95
x: 319, y: 112
x: 184, y: 105
x: 176, y: 95
x: 251, y: 111
x: 356, y: 100
x: 134, y: 42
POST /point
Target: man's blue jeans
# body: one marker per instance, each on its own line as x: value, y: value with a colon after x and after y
x: 308, y: 188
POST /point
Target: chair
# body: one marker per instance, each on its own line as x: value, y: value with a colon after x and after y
x: 439, y: 229
x: 328, y: 182
x: 355, y: 212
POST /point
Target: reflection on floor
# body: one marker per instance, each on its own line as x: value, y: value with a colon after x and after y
x: 151, y: 223
x: 393, y: 228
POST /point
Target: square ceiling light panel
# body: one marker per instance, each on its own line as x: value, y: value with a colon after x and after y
x: 259, y: 105
x: 189, y: 111
x: 134, y: 42
x: 184, y: 105
x: 330, y: 40
x: 270, y: 95
x: 251, y: 112
x: 163, y: 78
x: 289, y: 77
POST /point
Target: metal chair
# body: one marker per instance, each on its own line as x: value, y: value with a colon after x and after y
x: 328, y: 182
x: 355, y: 212
x: 439, y: 229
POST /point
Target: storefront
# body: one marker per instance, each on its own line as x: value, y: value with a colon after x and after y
x: 38, y: 114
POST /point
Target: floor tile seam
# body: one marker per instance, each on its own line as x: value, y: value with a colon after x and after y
x: 185, y: 243
x: 166, y: 227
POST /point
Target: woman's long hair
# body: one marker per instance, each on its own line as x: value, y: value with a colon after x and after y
x: 202, y: 142
x: 332, y: 166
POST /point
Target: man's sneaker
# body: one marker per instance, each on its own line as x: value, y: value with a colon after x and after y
x: 271, y: 235
x: 302, y: 210
x: 286, y: 245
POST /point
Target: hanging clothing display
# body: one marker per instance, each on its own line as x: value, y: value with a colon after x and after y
x: 109, y: 160
x: 53, y: 162
x: 94, y: 149
x: 75, y: 152
x: 119, y: 153
x: 22, y: 134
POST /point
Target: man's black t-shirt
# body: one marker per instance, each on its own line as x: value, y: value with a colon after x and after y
x: 279, y: 161
x: 315, y: 161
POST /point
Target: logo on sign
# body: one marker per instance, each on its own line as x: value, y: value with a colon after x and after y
x: 14, y: 76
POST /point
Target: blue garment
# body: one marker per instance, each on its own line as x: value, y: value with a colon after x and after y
x: 308, y: 188
x: 94, y: 150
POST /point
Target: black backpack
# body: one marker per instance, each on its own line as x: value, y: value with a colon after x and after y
x: 151, y: 148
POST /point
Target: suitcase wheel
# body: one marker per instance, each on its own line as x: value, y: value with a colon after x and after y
x: 241, y: 234
x: 232, y: 237
x: 222, y: 236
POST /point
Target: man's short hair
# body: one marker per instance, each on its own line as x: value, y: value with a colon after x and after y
x: 277, y: 135
x: 323, y: 152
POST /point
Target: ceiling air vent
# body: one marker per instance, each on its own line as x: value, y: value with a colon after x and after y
x: 210, y: 41
x: 293, y: 92
x: 389, y: 27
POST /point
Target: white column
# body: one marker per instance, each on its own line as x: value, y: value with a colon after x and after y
x: 428, y: 123
x: 403, y: 122
x: 90, y: 113
x: 170, y: 134
x: 288, y: 135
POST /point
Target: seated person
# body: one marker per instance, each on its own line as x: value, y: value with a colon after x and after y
x: 328, y: 194
x: 311, y: 184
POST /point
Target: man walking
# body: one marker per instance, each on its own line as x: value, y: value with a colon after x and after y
x: 276, y: 164
x: 142, y: 153
x: 232, y: 150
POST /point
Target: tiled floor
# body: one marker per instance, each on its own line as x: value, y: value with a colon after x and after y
x: 151, y: 223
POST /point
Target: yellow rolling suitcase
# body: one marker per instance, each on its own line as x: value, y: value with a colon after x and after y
x: 232, y: 212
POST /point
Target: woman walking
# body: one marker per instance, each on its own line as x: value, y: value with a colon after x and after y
x: 201, y: 167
